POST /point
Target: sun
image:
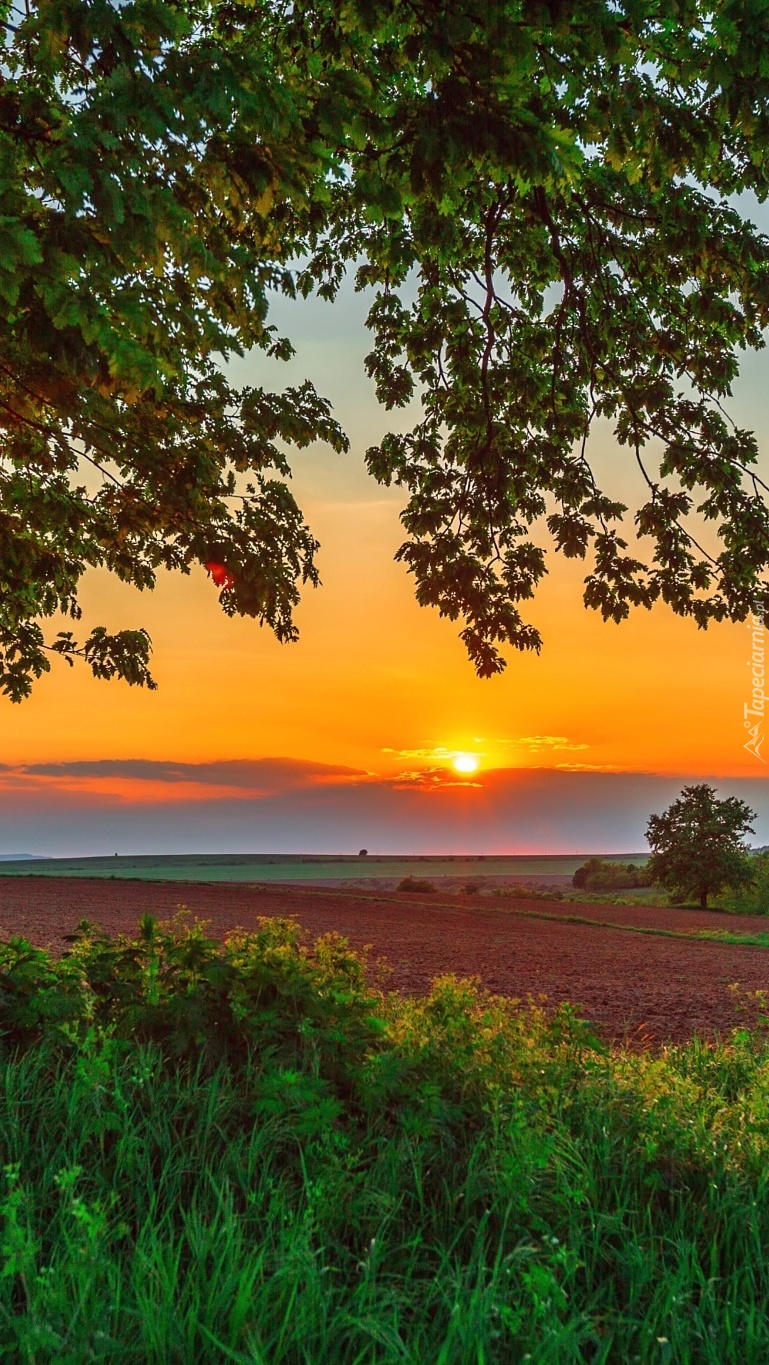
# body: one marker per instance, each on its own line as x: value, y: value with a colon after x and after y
x: 465, y: 763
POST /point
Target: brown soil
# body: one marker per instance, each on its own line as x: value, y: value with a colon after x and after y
x: 633, y: 986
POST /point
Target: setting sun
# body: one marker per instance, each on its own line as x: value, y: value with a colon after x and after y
x: 465, y: 763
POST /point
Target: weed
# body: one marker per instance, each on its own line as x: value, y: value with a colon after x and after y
x: 241, y: 1152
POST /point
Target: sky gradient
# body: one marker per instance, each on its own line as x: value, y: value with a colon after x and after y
x: 360, y: 719
x: 287, y: 806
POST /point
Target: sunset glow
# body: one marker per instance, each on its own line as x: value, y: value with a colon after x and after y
x: 378, y: 686
x: 465, y: 763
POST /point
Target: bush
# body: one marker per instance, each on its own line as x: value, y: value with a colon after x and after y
x: 362, y: 1178
x: 520, y: 891
x: 193, y: 996
x: 416, y: 884
x: 597, y: 874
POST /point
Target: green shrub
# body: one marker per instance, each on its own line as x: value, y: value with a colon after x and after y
x: 361, y: 1178
x: 194, y: 996
x: 597, y: 874
x: 754, y: 898
x: 532, y: 893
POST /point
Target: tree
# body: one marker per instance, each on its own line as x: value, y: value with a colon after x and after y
x: 697, y: 844
x: 539, y: 197
x: 598, y: 874
x: 149, y: 154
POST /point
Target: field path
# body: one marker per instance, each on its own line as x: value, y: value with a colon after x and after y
x: 644, y: 987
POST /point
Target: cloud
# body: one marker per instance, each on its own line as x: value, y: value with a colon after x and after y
x: 530, y: 744
x: 307, y: 807
x: 428, y: 779
x: 545, y: 743
x: 588, y: 767
x: 247, y: 773
x: 431, y: 755
x: 132, y: 780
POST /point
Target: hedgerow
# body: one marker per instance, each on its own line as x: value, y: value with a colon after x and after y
x: 247, y: 1151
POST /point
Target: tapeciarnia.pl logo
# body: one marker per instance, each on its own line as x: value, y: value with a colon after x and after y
x: 753, y: 711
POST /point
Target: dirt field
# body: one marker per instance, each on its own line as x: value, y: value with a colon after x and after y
x: 630, y: 985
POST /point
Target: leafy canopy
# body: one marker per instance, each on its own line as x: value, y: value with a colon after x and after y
x: 539, y: 197
x: 697, y: 844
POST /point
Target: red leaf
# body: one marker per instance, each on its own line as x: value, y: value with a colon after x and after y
x: 220, y: 574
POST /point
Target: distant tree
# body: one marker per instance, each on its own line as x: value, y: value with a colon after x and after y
x: 697, y: 844
x: 579, y: 880
x: 541, y: 200
x: 598, y: 874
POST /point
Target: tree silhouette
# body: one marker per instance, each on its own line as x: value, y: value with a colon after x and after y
x: 540, y: 199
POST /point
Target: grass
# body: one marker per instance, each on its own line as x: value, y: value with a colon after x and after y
x: 245, y: 1154
x: 219, y: 867
x: 702, y: 935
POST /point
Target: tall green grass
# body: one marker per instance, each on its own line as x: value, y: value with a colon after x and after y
x: 247, y: 1154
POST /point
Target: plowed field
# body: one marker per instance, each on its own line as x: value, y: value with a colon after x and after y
x: 643, y: 987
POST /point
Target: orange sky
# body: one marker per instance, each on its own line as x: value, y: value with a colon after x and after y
x: 374, y: 675
x: 377, y: 682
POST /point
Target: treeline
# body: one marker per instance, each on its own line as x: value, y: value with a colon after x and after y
x: 598, y: 874
x: 750, y: 898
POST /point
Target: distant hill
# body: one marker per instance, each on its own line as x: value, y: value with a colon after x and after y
x: 17, y: 857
